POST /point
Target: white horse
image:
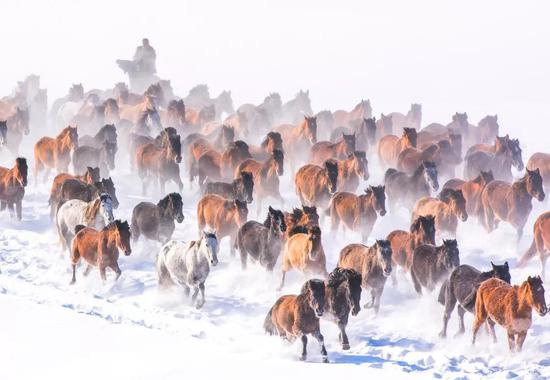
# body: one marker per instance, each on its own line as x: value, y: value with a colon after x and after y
x: 188, y: 264
x: 96, y: 213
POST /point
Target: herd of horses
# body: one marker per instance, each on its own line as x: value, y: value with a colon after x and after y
x: 236, y: 157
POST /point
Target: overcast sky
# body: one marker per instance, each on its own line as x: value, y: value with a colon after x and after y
x: 484, y: 57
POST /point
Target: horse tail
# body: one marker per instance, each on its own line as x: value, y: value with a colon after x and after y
x: 442, y: 292
x: 78, y: 228
x: 528, y: 255
x: 269, y: 326
x: 469, y: 302
x: 388, y: 173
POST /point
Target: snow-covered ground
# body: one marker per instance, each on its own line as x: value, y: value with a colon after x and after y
x: 128, y: 329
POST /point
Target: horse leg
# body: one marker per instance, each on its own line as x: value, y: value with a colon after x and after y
x: 450, y: 302
x: 201, y: 302
x: 117, y: 270
x: 73, y: 280
x: 461, y: 328
x: 343, y: 335
x: 480, y: 317
x: 102, y: 272
x: 304, y: 347
x: 511, y: 341
x: 87, y: 270
x: 37, y: 169
x: 10, y: 208
x: 258, y: 206
x: 232, y: 240
x: 321, y: 341
x: 47, y: 174
x: 489, y: 219
x: 18, y: 208
x: 520, y: 339
x: 377, y: 298
x: 370, y: 305
x: 491, y: 324
x: 283, y: 274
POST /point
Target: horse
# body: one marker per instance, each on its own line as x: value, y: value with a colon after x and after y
x: 365, y: 133
x: 75, y: 189
x: 314, y: 184
x: 262, y: 242
x: 507, y: 154
x: 373, y: 263
x: 156, y: 221
x: 296, y: 316
x: 295, y: 108
x: 325, y: 125
x: 266, y: 176
x: 351, y: 170
x: 12, y: 186
x: 403, y: 189
x: 97, y: 213
x: 298, y: 138
x: 3, y: 133
x: 222, y: 215
x: 241, y: 188
x: 342, y: 296
x: 362, y: 110
x: 102, y: 157
x: 136, y: 113
x: 100, y: 247
x: 55, y: 152
x: 324, y: 150
x: 472, y: 191
x: 90, y: 176
x: 511, y: 203
x: 17, y: 123
x: 188, y: 264
x: 304, y: 252
x: 432, y: 264
x: 462, y: 287
x: 540, y: 243
x: 509, y: 306
x: 218, y: 166
x: 384, y: 126
x: 300, y: 219
x: 541, y: 161
x: 106, y: 133
x: 447, y: 210
x: 441, y: 153
x: 357, y: 212
x: 412, y: 119
x: 403, y: 243
x: 174, y: 115
x: 390, y: 146
x: 154, y: 161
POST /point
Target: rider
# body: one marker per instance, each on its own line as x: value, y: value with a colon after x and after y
x: 145, y: 57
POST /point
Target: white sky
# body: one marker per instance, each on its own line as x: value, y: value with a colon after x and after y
x: 484, y: 57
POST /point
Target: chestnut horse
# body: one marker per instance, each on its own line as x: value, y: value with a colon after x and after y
x: 540, y: 243
x: 351, y: 170
x: 90, y: 176
x: 297, y: 139
x: 299, y: 219
x: 12, y: 186
x: 100, y: 248
x: 219, y: 166
x: 390, y: 146
x: 50, y: 153
x: 315, y: 184
x: 472, y: 191
x: 357, y: 212
x: 304, y: 252
x: 446, y: 210
x: 296, y: 316
x: 154, y: 161
x: 511, y: 203
x: 509, y: 306
x: 223, y: 216
x: 266, y: 176
x: 272, y: 141
x: 323, y: 150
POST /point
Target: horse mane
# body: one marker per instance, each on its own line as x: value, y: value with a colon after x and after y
x: 91, y: 210
x: 313, y: 283
x: 267, y: 221
x: 296, y: 214
x: 163, y: 203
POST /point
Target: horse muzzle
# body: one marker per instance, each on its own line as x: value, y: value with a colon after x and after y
x: 540, y: 197
x: 543, y: 312
x: 179, y: 218
x: 464, y: 217
x: 387, y: 272
x: 382, y: 212
x: 213, y: 262
x: 355, y: 310
x: 319, y: 312
x: 127, y: 252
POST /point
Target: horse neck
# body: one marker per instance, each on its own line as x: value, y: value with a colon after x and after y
x: 345, y: 169
x: 165, y: 213
x: 91, y: 211
x: 524, y: 307
x: 198, y: 254
x: 268, y: 168
x: 314, y: 246
x: 63, y: 146
x: 520, y: 193
x: 107, y: 237
x: 365, y: 203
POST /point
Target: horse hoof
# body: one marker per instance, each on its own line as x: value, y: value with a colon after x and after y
x: 325, y: 359
x: 459, y: 333
x: 345, y: 347
x: 442, y: 335
x: 368, y: 305
x: 302, y: 358
x: 72, y: 282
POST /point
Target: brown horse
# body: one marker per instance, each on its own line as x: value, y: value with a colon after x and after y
x: 102, y: 157
x: 472, y: 191
x: 266, y: 176
x: 272, y: 141
x: 403, y: 243
x: 156, y: 221
x: 323, y: 150
x: 511, y: 203
x: 50, y: 153
x: 17, y: 122
x: 296, y: 316
x: 154, y: 161
x: 446, y: 210
x: 219, y: 166
x: 75, y: 189
x: 174, y: 115
x: 304, y: 252
x: 509, y: 306
x: 487, y: 129
x: 297, y: 139
x: 241, y: 188
x: 375, y: 265
x: 351, y: 170
x: 134, y: 113
x: 223, y: 216
x: 357, y: 212
x: 390, y: 146
x: 100, y: 248
x: 432, y: 264
x: 541, y: 161
x: 12, y: 186
x: 403, y: 189
x: 441, y: 153
x: 507, y: 153
x: 315, y: 184
x: 300, y: 219
x: 384, y: 126
x: 362, y: 110
x: 540, y: 243
x: 90, y: 176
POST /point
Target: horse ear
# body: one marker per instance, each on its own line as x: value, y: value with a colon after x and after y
x: 493, y: 265
x: 506, y: 264
x: 271, y: 209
